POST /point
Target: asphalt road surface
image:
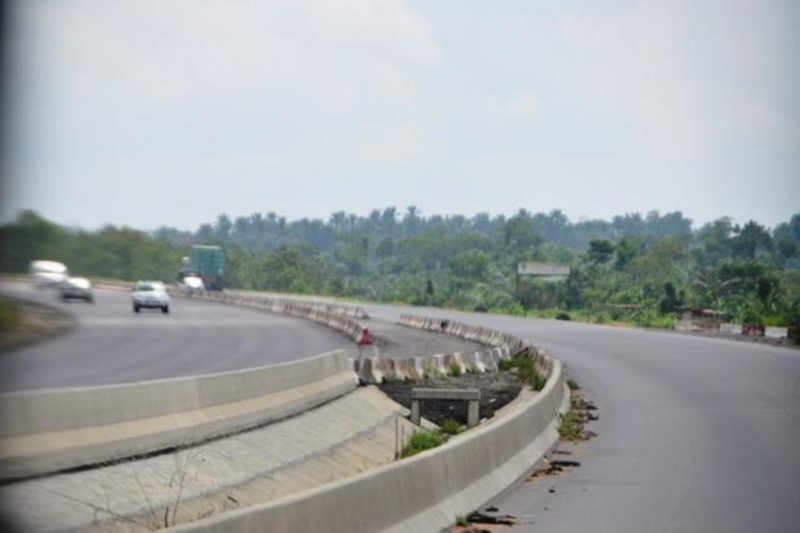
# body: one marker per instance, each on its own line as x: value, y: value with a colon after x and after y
x: 113, y: 345
x: 695, y: 434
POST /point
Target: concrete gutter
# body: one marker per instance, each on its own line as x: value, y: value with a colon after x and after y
x: 358, y: 432
x: 425, y: 492
x: 52, y: 430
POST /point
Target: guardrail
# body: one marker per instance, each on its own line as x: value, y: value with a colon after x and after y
x: 51, y: 430
x: 425, y: 492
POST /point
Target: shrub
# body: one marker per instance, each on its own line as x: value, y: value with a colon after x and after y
x: 451, y: 427
x: 537, y: 381
x: 431, y: 372
x: 526, y: 369
x: 505, y: 364
x: 455, y: 369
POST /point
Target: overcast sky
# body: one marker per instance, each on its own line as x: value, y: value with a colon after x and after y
x: 146, y: 113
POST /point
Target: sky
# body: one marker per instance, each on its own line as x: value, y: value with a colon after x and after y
x: 147, y: 113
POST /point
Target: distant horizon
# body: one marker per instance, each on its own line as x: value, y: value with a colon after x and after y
x: 401, y: 210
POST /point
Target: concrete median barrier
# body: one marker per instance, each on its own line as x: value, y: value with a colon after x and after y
x: 502, y: 344
x: 339, y: 318
x: 52, y: 430
x: 499, y: 346
x: 425, y: 492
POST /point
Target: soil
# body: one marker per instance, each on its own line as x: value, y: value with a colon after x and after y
x: 497, y: 389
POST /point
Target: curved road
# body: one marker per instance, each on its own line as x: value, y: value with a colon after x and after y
x: 114, y: 345
x: 695, y: 434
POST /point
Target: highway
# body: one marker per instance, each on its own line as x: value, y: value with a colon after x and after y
x: 695, y: 434
x: 113, y: 345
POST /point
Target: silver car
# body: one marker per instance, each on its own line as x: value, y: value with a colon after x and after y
x: 77, y: 288
x: 150, y: 294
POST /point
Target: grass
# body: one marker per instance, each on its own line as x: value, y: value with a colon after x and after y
x: 571, y: 426
x: 426, y: 440
x: 643, y: 319
x: 423, y: 440
x: 455, y: 369
x: 526, y: 369
x: 9, y: 316
x: 572, y: 423
x: 662, y: 322
x: 573, y: 385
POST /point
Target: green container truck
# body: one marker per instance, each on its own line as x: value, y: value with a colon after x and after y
x: 208, y: 263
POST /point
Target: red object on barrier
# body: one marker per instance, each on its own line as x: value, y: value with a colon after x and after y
x: 366, y: 338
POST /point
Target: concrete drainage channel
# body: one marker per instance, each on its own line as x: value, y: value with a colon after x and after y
x: 50, y: 431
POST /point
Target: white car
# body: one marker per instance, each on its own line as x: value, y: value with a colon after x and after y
x: 150, y: 294
x: 80, y: 288
x: 48, y: 273
x: 191, y: 285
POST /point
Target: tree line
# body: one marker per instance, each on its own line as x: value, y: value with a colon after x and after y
x: 639, y: 268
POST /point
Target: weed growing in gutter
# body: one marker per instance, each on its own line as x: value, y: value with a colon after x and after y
x: 423, y: 440
x: 572, y: 424
x: 451, y: 427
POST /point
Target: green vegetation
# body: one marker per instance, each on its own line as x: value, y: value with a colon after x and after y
x: 526, y: 369
x: 455, y: 369
x: 432, y: 372
x: 571, y: 426
x: 423, y: 440
x: 451, y: 427
x: 573, y: 385
x: 113, y: 253
x: 9, y: 316
x: 635, y: 269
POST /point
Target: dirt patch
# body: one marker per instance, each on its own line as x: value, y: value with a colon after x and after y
x: 32, y: 323
x: 553, y: 468
x: 497, y: 389
x: 487, y: 521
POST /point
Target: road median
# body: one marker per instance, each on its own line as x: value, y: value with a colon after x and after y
x: 52, y: 430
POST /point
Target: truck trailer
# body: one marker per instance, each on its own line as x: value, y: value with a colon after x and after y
x: 207, y: 263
